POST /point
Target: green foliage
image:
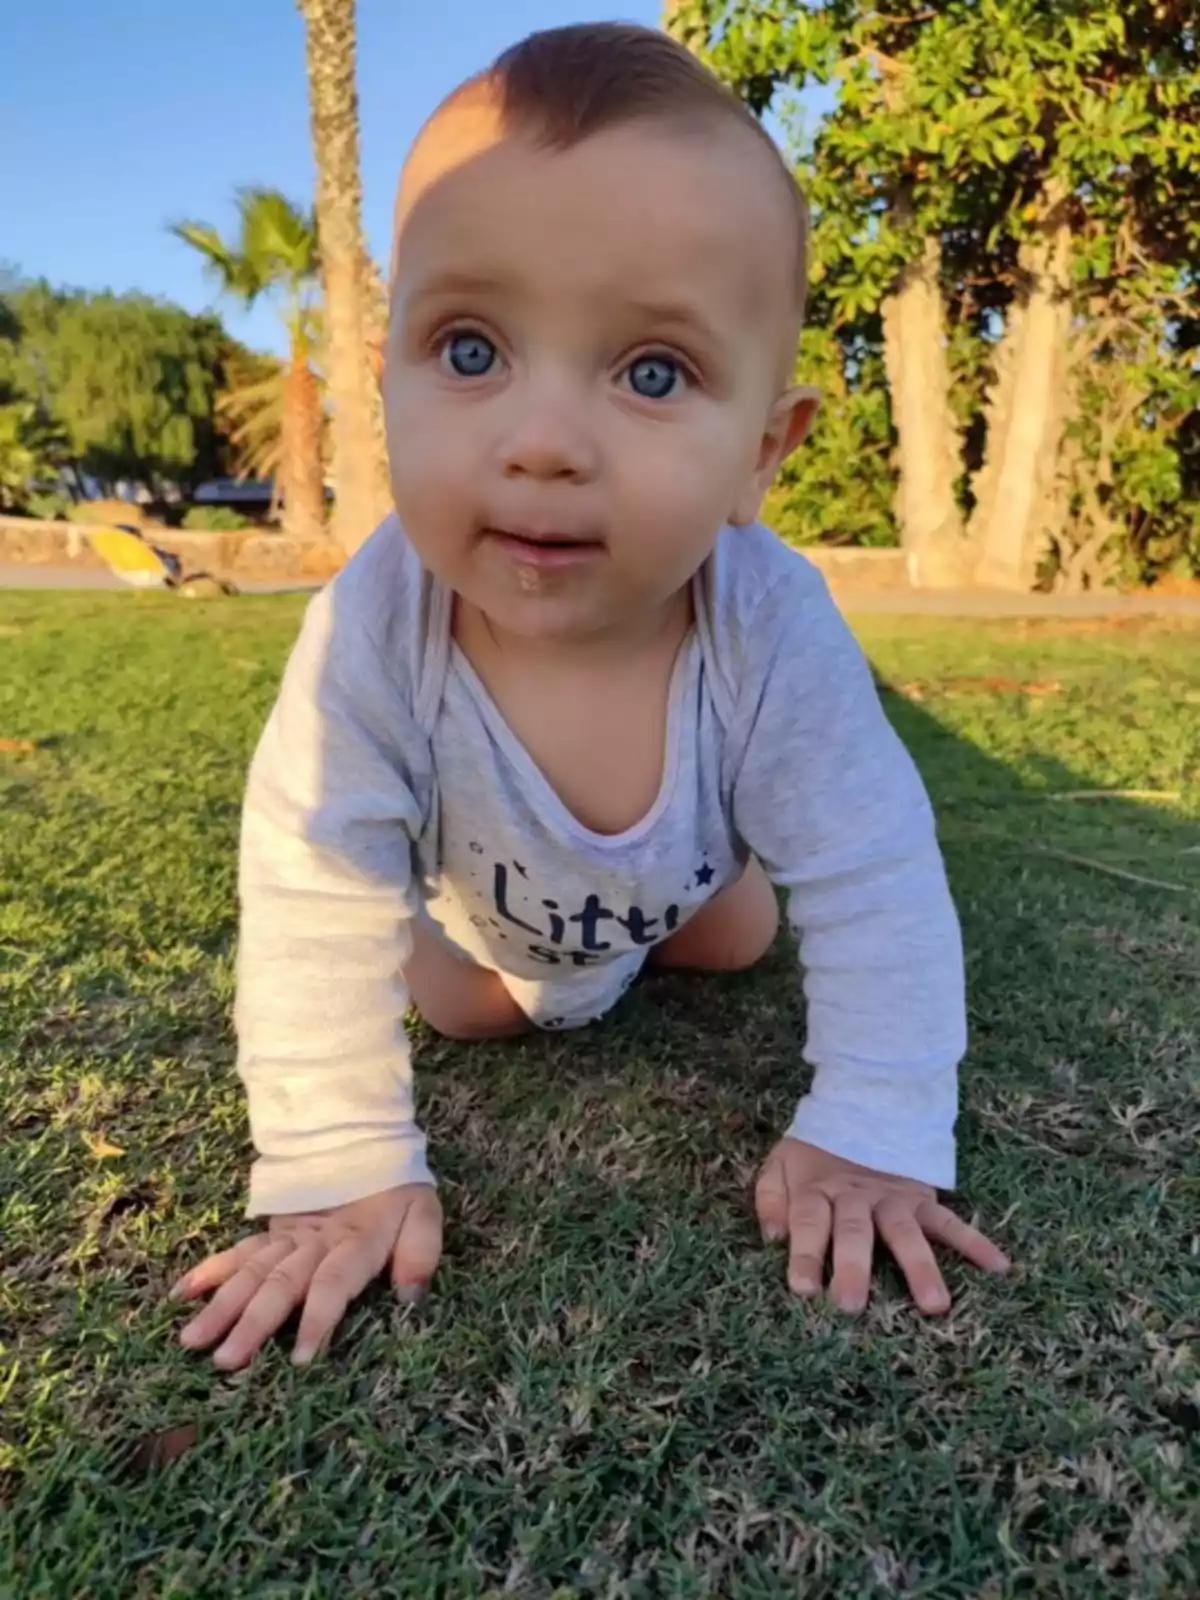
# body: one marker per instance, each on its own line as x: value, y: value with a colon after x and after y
x: 214, y: 519
x: 109, y: 510
x: 838, y: 488
x: 32, y: 449
x: 130, y: 382
x: 971, y: 120
x: 49, y: 505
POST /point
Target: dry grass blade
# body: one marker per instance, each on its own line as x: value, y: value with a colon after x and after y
x: 1112, y: 872
x: 1112, y: 794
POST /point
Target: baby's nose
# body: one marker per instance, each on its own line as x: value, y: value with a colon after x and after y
x: 549, y: 436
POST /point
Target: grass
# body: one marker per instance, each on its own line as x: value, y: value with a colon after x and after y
x: 610, y: 1392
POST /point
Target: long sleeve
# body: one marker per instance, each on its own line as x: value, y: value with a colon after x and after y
x: 327, y: 896
x: 831, y: 803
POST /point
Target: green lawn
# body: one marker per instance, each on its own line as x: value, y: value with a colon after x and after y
x: 610, y: 1391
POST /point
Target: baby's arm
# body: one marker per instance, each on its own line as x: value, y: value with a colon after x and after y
x: 327, y: 896
x: 830, y: 801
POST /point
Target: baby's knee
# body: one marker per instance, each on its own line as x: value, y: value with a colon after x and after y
x: 732, y: 933
x: 457, y: 999
x: 468, y: 1024
x: 749, y: 936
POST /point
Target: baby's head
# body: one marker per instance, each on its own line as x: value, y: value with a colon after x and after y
x: 597, y: 283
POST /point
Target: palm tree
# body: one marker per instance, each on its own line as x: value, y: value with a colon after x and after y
x: 276, y: 255
x: 359, y: 456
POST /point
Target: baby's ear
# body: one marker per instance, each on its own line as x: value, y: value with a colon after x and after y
x: 789, y: 421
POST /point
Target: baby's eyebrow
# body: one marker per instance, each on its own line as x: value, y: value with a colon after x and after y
x: 677, y: 316
x: 455, y: 283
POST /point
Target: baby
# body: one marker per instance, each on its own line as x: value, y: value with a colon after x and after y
x: 573, y: 709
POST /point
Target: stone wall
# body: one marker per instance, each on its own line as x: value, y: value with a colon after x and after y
x: 248, y: 553
x: 265, y: 557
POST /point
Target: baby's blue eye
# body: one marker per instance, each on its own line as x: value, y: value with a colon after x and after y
x: 470, y: 355
x: 654, y: 377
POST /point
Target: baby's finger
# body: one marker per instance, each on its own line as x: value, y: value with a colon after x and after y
x: 216, y: 1270
x: 853, y: 1247
x: 942, y: 1224
x: 419, y: 1247
x: 905, y: 1238
x: 344, y: 1273
x: 771, y: 1201
x: 810, y: 1218
x: 278, y: 1294
x: 231, y: 1299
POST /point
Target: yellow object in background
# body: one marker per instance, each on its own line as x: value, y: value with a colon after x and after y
x: 128, y: 556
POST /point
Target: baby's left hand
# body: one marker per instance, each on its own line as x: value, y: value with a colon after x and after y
x: 813, y: 1198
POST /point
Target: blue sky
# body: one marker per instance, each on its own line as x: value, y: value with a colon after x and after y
x: 131, y: 113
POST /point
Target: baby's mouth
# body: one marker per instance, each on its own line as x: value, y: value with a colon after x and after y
x: 545, y: 551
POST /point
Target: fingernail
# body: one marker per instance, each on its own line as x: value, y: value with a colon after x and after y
x: 188, y: 1337
x: 223, y: 1355
x: 410, y: 1294
x: 804, y: 1286
x: 772, y: 1233
x: 303, y: 1354
x: 177, y: 1291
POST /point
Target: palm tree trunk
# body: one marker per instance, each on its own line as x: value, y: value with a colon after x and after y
x: 360, y: 468
x: 928, y: 445
x: 1017, y: 500
x: 375, y: 330
x: 301, y: 471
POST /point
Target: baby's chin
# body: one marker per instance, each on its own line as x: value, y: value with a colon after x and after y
x: 536, y: 617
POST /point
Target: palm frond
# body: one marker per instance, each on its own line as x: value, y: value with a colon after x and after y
x: 232, y: 269
x: 250, y: 411
x: 281, y: 238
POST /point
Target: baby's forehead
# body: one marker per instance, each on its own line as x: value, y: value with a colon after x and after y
x: 703, y: 178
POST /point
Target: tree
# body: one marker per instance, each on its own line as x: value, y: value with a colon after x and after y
x: 363, y: 497
x: 275, y: 255
x: 128, y: 382
x: 33, y: 450
x: 1013, y: 186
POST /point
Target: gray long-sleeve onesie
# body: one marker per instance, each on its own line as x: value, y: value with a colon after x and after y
x: 387, y: 786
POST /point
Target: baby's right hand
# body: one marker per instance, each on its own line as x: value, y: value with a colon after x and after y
x: 321, y: 1259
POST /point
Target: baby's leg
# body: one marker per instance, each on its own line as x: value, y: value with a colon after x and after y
x: 732, y: 932
x: 462, y: 1001
x: 457, y: 998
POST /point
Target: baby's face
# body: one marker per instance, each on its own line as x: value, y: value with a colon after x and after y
x: 585, y: 364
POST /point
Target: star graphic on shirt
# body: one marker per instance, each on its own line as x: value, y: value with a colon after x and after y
x: 704, y: 876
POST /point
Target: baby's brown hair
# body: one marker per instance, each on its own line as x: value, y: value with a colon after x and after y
x: 564, y: 85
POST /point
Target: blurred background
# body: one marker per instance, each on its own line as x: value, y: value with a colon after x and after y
x: 1004, y: 315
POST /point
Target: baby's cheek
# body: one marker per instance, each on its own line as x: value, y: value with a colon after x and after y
x: 686, y: 489
x: 424, y: 449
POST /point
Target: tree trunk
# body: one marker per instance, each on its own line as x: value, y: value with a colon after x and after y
x: 928, y: 446
x: 376, y: 313
x: 301, y: 471
x: 1018, y: 502
x: 360, y: 467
